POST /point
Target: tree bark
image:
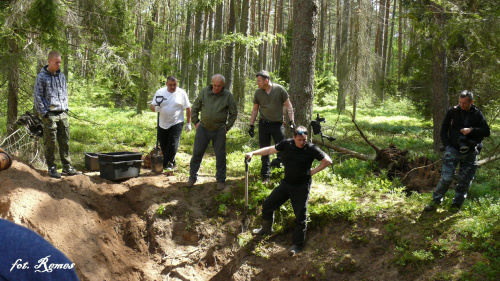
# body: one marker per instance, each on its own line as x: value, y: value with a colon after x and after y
x: 146, y: 67
x: 389, y: 57
x: 186, y: 52
x: 354, y: 154
x: 342, y: 68
x: 439, y: 74
x: 400, y: 40
x: 210, y: 60
x: 196, y: 56
x: 241, y: 59
x: 229, y: 56
x: 218, y: 36
x: 337, y: 40
x: 305, y: 16
x: 13, y: 87
x: 321, y: 38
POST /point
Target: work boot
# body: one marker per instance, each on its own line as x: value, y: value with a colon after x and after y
x: 53, y: 173
x: 295, y: 249
x: 220, y: 185
x: 455, y: 207
x: 190, y: 183
x: 267, y: 228
x: 431, y: 207
x: 70, y: 172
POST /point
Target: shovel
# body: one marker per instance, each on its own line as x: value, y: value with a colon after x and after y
x: 244, y: 222
x: 157, y: 160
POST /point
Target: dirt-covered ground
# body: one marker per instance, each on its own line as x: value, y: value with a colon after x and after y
x: 111, y: 230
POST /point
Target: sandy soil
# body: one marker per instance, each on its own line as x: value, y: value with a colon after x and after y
x: 112, y: 231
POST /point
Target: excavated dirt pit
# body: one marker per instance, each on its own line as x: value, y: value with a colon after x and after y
x: 112, y: 231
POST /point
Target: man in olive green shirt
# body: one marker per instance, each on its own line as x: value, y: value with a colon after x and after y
x: 269, y: 100
x: 218, y: 114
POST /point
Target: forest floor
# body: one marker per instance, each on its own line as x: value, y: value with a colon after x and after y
x: 113, y: 231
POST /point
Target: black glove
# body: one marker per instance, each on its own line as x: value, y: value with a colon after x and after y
x: 292, y: 125
x: 251, y: 131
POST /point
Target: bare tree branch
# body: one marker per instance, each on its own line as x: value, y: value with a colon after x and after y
x: 345, y: 150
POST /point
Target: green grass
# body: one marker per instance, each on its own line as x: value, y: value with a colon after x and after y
x: 354, y: 193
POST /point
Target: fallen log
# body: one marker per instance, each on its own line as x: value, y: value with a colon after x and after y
x: 345, y: 151
x: 488, y: 160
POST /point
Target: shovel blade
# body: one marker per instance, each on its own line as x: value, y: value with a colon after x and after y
x: 157, y: 164
x: 244, y: 224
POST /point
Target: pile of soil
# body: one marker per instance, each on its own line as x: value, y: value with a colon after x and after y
x: 113, y: 231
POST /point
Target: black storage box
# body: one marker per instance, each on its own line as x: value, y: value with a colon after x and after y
x: 119, y: 156
x: 91, y: 161
x: 120, y: 170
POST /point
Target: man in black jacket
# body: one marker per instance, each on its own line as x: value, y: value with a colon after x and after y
x: 298, y: 156
x: 462, y: 133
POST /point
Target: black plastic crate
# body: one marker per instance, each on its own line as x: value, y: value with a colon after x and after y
x: 119, y: 156
x: 120, y: 170
x: 91, y: 161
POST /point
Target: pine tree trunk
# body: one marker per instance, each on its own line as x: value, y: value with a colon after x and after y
x: 337, y: 40
x: 280, y: 40
x: 218, y: 36
x: 202, y: 62
x: 319, y: 47
x: 186, y: 53
x: 210, y: 60
x: 229, y: 56
x: 389, y: 57
x: 386, y: 36
x: 439, y: 75
x: 13, y: 87
x: 305, y: 16
x: 342, y: 67
x: 241, y: 59
x: 196, y: 56
x: 146, y: 67
x: 400, y: 40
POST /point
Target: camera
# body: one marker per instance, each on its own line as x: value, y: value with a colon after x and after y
x: 316, y: 124
x: 462, y: 144
x: 465, y: 144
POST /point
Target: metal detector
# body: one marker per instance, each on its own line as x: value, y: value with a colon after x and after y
x: 157, y: 160
x: 316, y: 126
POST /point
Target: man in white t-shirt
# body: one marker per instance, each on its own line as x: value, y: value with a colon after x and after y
x: 170, y: 102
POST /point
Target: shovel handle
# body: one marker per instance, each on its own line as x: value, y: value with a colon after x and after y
x: 159, y: 99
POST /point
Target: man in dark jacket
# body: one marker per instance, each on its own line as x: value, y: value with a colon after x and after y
x: 298, y: 156
x: 51, y: 103
x: 218, y: 114
x: 462, y: 133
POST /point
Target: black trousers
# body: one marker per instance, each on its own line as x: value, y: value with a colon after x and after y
x: 268, y: 130
x: 299, y: 197
x: 169, y: 142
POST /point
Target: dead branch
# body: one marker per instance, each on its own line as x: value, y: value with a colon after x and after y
x: 345, y: 150
x: 377, y: 150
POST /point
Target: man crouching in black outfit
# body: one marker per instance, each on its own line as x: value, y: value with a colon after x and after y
x: 298, y: 156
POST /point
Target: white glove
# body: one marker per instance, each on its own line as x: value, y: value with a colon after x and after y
x: 188, y: 127
x: 157, y: 108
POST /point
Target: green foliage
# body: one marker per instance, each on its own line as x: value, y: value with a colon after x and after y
x: 325, y: 89
x: 45, y: 15
x: 286, y: 55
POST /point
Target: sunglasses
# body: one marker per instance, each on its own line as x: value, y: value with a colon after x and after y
x: 301, y: 133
